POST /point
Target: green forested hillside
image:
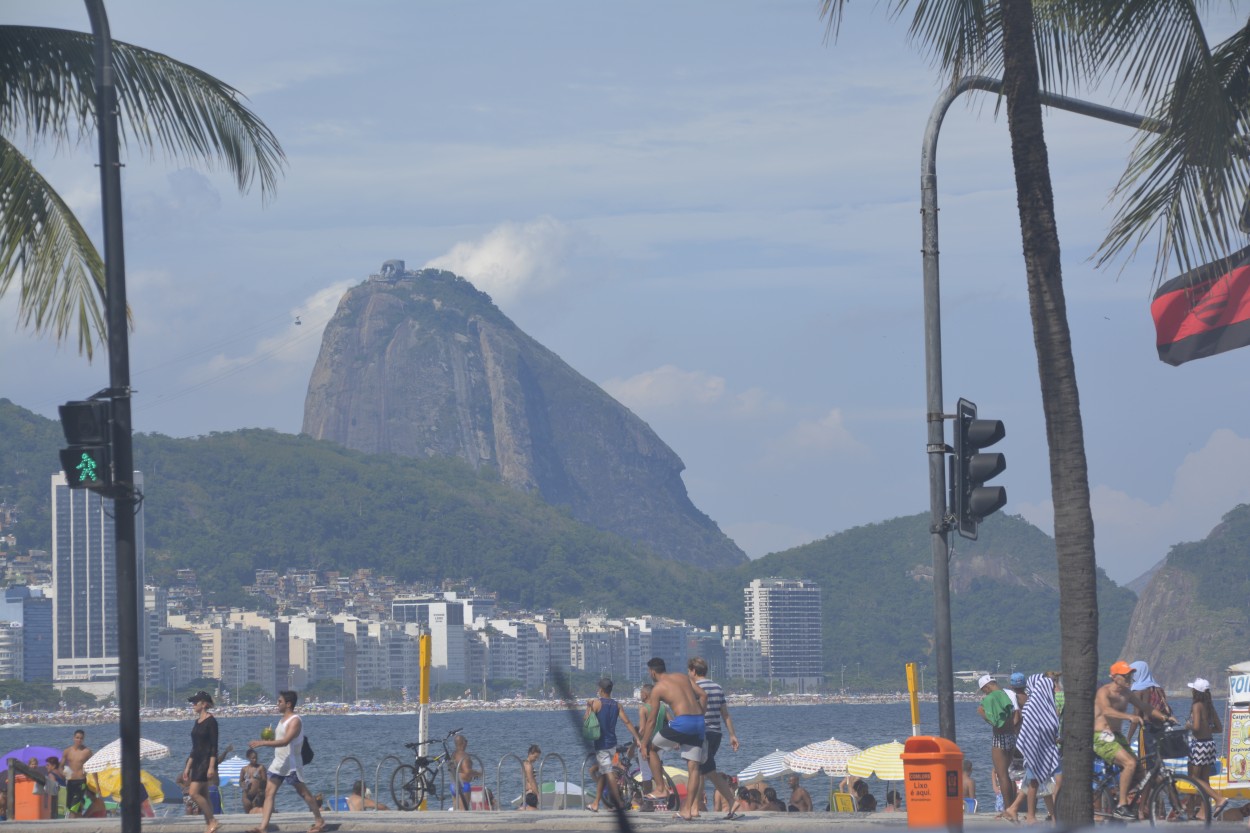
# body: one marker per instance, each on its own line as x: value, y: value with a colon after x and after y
x: 229, y: 503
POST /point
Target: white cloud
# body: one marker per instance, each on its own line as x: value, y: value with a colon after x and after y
x: 513, y: 259
x: 666, y: 387
x: 826, y: 435
x: 1132, y: 534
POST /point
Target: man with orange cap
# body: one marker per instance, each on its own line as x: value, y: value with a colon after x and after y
x: 1110, y: 710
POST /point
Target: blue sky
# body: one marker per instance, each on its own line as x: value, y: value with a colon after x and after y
x: 706, y: 208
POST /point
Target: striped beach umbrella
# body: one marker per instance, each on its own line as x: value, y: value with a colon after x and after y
x: 771, y: 765
x: 228, y: 770
x: 110, y: 755
x: 827, y: 756
x: 885, y: 760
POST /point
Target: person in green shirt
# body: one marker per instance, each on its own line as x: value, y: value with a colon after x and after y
x: 996, y: 709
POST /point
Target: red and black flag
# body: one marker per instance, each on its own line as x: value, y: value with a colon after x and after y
x: 1205, y: 311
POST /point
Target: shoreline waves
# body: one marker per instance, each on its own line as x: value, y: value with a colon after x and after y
x: 99, y: 716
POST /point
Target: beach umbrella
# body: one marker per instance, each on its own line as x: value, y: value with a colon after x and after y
x: 108, y: 782
x: 229, y: 769
x: 39, y: 753
x: 771, y: 765
x: 111, y: 754
x: 172, y: 791
x: 828, y: 756
x: 679, y: 775
x: 885, y: 760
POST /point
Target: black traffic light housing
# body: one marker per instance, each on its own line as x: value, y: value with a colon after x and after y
x: 971, y: 500
x: 88, y: 427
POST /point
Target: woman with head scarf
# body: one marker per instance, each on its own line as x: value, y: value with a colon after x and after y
x: 1039, y: 741
x: 1150, y: 691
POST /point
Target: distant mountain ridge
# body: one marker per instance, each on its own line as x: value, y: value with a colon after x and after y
x: 421, y: 364
x: 229, y: 503
x: 1191, y: 620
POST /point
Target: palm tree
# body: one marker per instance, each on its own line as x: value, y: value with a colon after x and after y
x: 47, y: 90
x: 1184, y: 185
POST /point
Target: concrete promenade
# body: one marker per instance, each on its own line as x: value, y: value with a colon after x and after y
x: 498, y: 822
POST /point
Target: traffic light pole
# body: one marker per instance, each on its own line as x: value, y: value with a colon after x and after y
x: 124, y: 497
x: 939, y: 524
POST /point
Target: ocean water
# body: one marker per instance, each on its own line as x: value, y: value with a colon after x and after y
x: 495, y: 734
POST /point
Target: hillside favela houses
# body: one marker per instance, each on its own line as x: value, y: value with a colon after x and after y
x: 350, y: 637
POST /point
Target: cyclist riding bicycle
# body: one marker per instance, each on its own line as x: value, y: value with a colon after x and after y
x: 1110, y: 711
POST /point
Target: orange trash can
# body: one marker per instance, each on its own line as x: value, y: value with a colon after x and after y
x: 27, y: 804
x: 933, y: 772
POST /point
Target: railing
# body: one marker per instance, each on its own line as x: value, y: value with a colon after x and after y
x: 377, y: 775
x: 337, y: 769
x: 564, y: 781
x: 590, y: 757
x: 499, y: 778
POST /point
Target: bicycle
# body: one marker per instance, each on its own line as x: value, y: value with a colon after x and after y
x: 1169, y: 798
x: 628, y: 771
x: 412, y: 783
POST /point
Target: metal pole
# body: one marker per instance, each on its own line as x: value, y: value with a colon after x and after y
x: 124, y: 499
x: 936, y: 442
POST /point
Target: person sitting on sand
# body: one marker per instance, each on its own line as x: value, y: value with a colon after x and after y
x: 865, y: 802
x: 359, y: 800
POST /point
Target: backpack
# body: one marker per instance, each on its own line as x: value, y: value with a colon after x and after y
x: 306, y: 752
x: 590, y: 727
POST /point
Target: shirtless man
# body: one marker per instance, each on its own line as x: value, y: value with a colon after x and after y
x: 800, y: 798
x: 1110, y: 710
x: 531, y: 783
x: 685, y: 730
x: 73, y: 758
x: 465, y: 773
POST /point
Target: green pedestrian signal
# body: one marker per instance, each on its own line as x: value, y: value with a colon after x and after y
x: 88, y: 427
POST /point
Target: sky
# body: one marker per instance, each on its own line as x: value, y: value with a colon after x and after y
x: 710, y: 209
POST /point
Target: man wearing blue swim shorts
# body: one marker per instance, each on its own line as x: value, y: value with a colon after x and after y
x: 685, y: 731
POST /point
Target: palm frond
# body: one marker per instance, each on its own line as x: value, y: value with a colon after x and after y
x: 47, y: 87
x: 42, y: 245
x: 1187, y: 184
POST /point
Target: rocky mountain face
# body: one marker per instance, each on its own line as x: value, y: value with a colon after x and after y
x: 1191, y: 620
x: 421, y: 364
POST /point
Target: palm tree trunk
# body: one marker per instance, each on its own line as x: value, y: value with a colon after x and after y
x: 1069, y: 479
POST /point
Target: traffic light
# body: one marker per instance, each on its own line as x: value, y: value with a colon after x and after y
x: 88, y: 426
x: 971, y: 499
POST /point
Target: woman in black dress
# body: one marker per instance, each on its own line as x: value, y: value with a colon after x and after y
x: 201, y: 766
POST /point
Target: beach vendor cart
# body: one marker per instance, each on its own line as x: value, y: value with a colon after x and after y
x: 1237, y: 728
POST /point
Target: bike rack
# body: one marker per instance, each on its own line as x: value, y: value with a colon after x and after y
x: 499, y: 778
x: 377, y: 774
x: 360, y: 766
x: 564, y: 780
x: 590, y: 756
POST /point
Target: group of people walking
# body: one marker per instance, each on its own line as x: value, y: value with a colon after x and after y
x: 1025, y: 719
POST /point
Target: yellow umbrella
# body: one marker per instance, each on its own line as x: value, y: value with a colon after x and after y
x: 1219, y: 783
x: 109, y: 783
x: 679, y: 775
x: 885, y: 760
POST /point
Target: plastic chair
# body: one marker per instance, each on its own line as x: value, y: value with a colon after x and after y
x: 970, y: 805
x: 843, y: 803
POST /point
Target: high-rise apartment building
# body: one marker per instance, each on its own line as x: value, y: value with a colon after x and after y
x: 784, y: 616
x: 84, y: 582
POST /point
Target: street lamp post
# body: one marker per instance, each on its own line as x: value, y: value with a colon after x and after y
x: 125, y: 499
x: 935, y: 447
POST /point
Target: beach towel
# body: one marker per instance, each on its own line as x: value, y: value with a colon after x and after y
x: 1038, y: 741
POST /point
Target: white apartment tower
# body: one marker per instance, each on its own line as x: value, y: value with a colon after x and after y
x: 783, y: 615
x: 84, y: 582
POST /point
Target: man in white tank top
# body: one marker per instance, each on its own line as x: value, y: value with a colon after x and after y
x: 287, y: 766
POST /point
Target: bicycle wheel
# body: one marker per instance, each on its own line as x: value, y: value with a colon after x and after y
x: 1177, y: 800
x: 407, y: 788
